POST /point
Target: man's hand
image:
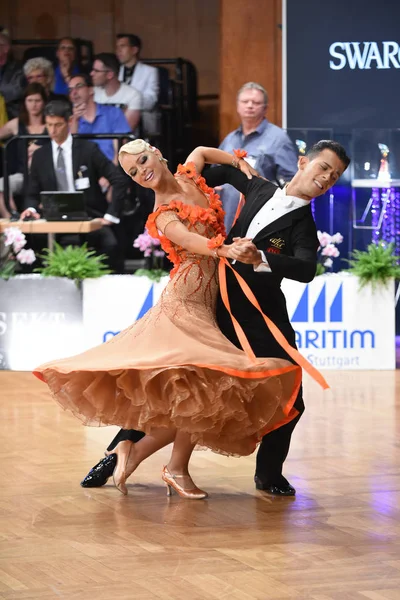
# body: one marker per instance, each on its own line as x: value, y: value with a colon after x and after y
x: 106, y: 222
x: 247, y: 169
x: 29, y: 213
x: 245, y: 251
x: 79, y: 110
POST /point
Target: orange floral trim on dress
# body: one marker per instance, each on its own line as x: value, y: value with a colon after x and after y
x: 239, y: 153
x: 189, y: 170
x: 213, y: 215
x: 215, y: 242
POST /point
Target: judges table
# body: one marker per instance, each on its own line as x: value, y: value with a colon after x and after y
x: 52, y: 227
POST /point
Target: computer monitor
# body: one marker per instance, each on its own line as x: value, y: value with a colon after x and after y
x: 64, y: 206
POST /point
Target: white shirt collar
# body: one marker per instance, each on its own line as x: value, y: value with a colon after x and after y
x: 289, y: 201
x: 66, y: 146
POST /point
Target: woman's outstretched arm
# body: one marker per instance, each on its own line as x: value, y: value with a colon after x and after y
x: 203, y: 155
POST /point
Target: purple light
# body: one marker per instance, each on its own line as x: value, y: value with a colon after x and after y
x: 375, y: 210
x: 390, y: 227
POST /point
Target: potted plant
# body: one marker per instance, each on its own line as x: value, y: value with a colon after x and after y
x: 73, y: 262
x: 327, y: 250
x: 13, y: 252
x: 377, y: 266
x: 151, y: 248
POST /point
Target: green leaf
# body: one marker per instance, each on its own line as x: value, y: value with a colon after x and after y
x: 375, y: 266
x: 73, y: 262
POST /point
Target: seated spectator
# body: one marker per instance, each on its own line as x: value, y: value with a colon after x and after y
x: 67, y: 66
x: 40, y: 70
x: 269, y: 148
x: 11, y: 78
x: 108, y: 90
x: 30, y: 121
x: 72, y: 164
x: 90, y: 117
x: 140, y: 76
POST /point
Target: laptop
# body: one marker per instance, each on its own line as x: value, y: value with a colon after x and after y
x: 64, y: 206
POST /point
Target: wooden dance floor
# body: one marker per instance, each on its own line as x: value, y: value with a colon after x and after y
x: 338, y: 539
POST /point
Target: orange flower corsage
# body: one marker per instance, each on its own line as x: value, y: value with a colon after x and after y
x: 240, y: 153
x: 216, y: 242
x: 189, y: 170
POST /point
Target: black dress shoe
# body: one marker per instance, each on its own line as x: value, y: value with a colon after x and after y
x: 100, y: 473
x: 277, y: 488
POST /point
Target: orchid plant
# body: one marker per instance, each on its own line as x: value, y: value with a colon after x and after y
x: 327, y: 250
x: 13, y: 252
x: 151, y: 248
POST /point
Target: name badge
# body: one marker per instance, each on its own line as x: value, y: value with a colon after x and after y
x: 251, y: 160
x: 82, y: 183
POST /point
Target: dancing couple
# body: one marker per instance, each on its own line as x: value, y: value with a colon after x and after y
x: 214, y: 362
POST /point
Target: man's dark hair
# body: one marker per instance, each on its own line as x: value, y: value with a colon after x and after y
x: 58, y: 108
x: 134, y: 40
x: 109, y: 60
x: 329, y: 145
x: 86, y: 78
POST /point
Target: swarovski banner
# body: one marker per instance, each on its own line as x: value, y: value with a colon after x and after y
x: 342, y: 65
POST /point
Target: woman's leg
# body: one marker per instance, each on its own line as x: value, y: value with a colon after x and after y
x: 181, y: 453
x: 131, y: 455
x: 176, y: 473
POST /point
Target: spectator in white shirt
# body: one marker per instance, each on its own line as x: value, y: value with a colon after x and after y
x: 140, y: 76
x: 108, y: 90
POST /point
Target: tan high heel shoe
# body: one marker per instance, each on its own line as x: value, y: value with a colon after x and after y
x: 121, y: 472
x: 170, y: 480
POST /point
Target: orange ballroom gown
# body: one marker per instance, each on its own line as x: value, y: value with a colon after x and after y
x: 174, y: 367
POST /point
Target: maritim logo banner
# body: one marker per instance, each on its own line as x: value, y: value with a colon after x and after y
x: 339, y: 326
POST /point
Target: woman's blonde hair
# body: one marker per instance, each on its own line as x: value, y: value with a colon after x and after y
x: 137, y: 147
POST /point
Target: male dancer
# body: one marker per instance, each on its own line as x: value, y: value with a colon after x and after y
x: 283, y: 243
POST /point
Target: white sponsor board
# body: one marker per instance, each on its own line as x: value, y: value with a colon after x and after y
x: 113, y: 302
x: 340, y: 326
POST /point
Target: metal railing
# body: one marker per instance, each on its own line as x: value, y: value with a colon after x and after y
x: 16, y: 138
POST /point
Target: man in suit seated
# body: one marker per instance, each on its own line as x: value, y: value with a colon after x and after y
x: 140, y: 76
x: 68, y: 165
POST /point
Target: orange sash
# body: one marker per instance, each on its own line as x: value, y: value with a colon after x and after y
x: 278, y: 335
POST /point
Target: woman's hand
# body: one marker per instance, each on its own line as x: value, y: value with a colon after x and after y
x: 247, y: 169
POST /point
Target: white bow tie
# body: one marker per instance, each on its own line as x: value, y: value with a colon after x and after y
x: 286, y: 201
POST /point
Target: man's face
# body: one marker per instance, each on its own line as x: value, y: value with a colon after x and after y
x: 4, y: 49
x: 124, y: 51
x: 320, y: 173
x: 79, y: 91
x: 66, y: 51
x: 99, y: 74
x: 58, y: 129
x: 251, y: 105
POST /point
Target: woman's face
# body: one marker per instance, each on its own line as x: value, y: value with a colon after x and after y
x: 34, y: 104
x: 144, y: 168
